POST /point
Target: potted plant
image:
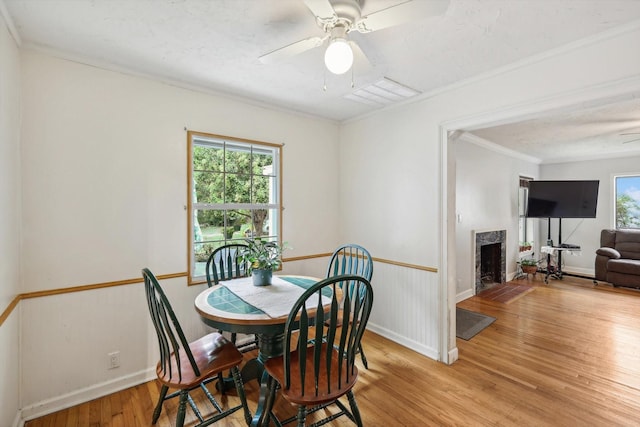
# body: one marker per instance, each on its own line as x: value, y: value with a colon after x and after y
x: 529, y: 266
x: 262, y: 257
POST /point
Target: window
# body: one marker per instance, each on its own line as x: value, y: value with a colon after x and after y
x: 627, y: 204
x: 525, y: 225
x: 235, y: 193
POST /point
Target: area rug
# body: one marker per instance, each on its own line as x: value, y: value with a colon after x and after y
x: 505, y: 292
x: 470, y: 323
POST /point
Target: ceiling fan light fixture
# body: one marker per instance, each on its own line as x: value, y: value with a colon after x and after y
x: 338, y: 57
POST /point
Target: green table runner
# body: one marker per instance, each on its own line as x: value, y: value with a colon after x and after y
x: 225, y: 300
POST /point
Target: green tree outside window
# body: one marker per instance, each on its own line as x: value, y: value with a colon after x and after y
x: 627, y: 201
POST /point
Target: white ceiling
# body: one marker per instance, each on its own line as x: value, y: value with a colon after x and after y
x: 608, y: 130
x: 214, y: 45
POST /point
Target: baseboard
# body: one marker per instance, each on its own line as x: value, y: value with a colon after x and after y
x: 404, y: 341
x: 18, y: 421
x: 579, y: 272
x: 452, y: 355
x: 86, y: 394
x: 464, y: 295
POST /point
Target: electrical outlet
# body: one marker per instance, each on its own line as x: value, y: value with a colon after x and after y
x: 114, y: 359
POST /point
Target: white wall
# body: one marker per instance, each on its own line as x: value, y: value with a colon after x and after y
x: 486, y: 199
x: 104, y: 190
x: 9, y: 224
x: 392, y: 164
x: 586, y: 232
x: 9, y: 166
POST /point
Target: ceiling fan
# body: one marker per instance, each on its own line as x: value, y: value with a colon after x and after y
x: 337, y: 18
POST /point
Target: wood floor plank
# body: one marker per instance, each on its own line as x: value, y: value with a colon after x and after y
x: 564, y: 354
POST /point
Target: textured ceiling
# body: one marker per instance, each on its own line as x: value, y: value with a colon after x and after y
x: 215, y: 44
x: 606, y: 130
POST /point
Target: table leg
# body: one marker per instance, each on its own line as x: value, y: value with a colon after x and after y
x: 269, y: 346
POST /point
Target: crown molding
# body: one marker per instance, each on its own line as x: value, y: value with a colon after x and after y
x: 492, y: 146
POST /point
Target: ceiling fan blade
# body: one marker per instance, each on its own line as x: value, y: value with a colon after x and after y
x: 292, y: 50
x: 359, y: 56
x: 322, y: 9
x: 401, y: 13
x: 631, y: 140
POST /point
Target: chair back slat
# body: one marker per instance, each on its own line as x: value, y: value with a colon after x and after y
x: 317, y: 350
x: 341, y: 320
x: 351, y: 259
x: 171, y: 338
x: 304, y: 324
x: 225, y: 263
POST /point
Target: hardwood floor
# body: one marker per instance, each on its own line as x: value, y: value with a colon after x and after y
x: 566, y: 354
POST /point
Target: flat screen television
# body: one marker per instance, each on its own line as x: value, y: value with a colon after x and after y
x: 562, y: 199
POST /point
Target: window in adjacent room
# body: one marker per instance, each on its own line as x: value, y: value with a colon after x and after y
x: 627, y: 204
x: 234, y: 189
x: 525, y: 225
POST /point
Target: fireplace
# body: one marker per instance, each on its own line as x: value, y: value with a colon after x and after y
x: 490, y: 259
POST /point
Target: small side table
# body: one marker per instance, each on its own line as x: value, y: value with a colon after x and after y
x: 551, y: 251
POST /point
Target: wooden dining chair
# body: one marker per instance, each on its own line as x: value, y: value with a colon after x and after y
x: 186, y: 366
x: 352, y: 259
x: 225, y: 263
x: 318, y: 372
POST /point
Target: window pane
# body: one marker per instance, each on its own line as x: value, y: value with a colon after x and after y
x: 201, y: 252
x: 262, y: 163
x: 209, y: 188
x: 207, y: 158
x: 263, y: 222
x: 242, y: 223
x: 237, y: 188
x: 211, y: 224
x: 237, y: 160
x: 261, y: 189
x: 627, y: 201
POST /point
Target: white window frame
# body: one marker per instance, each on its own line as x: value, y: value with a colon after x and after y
x: 525, y: 223
x: 614, y: 217
x: 275, y: 205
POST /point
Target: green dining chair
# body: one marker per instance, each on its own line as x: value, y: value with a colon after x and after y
x: 187, y: 366
x: 352, y: 259
x: 320, y: 368
x: 225, y: 263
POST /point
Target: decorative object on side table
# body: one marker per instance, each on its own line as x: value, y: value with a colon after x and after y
x: 262, y: 258
x: 529, y: 266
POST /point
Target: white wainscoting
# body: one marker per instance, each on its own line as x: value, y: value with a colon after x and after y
x: 405, y: 303
x: 67, y: 338
x: 405, y: 307
x: 10, y: 369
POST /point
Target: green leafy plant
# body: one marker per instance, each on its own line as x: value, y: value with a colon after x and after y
x: 531, y: 262
x: 262, y: 255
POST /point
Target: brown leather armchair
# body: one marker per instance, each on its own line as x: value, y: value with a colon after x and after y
x: 618, y: 259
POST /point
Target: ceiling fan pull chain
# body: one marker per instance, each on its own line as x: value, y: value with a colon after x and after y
x: 324, y: 81
x: 352, y: 84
